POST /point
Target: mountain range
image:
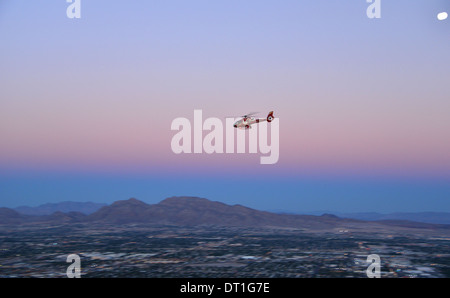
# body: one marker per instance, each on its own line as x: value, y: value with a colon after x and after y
x: 90, y: 207
x: 192, y: 211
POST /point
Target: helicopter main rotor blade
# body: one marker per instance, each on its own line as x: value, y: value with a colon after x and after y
x: 243, y: 116
x: 250, y: 114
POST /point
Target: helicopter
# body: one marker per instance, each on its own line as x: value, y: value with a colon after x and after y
x: 247, y: 120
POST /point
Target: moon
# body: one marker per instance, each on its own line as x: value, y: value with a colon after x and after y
x: 442, y: 16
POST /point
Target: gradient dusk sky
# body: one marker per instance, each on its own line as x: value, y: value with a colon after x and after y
x: 86, y: 104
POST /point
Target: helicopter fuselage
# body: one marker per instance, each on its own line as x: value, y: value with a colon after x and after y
x: 247, y: 122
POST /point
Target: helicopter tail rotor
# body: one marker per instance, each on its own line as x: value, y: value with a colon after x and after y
x: 270, y: 117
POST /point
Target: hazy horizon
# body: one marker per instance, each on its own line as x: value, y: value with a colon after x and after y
x: 281, y: 211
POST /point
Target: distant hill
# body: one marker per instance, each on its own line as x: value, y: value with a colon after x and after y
x: 192, y: 211
x: 9, y: 216
x: 425, y: 217
x: 65, y: 207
